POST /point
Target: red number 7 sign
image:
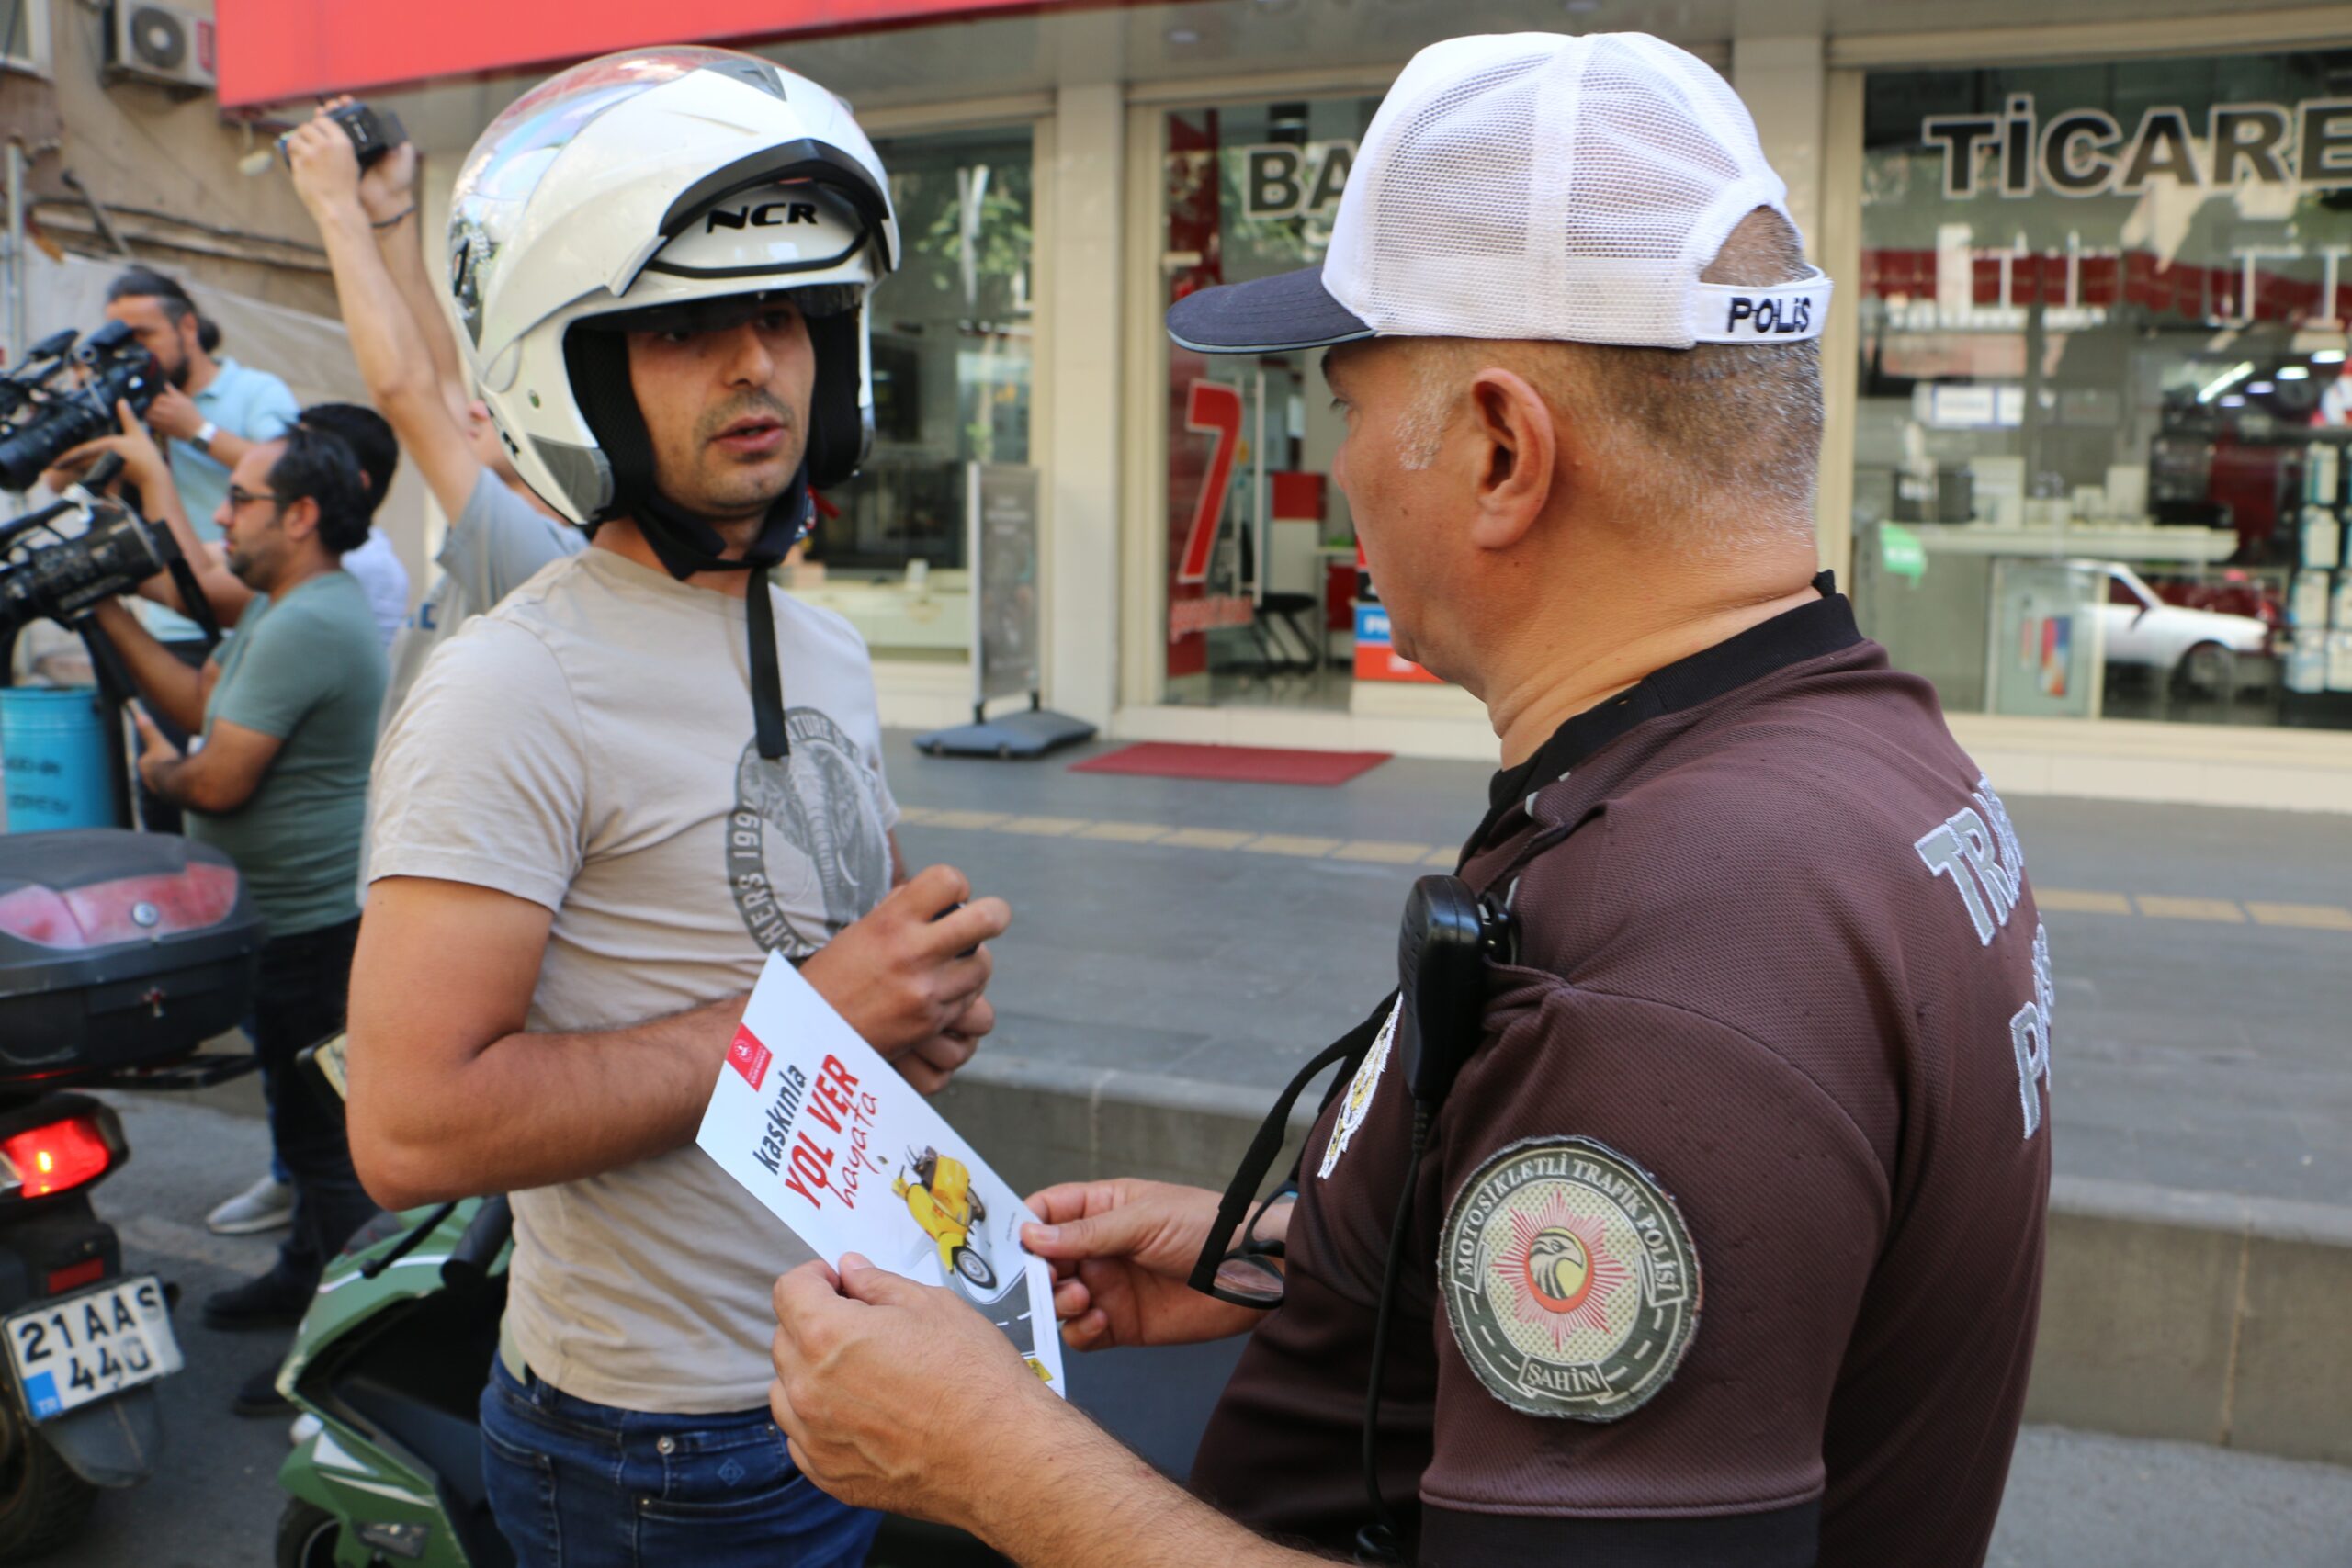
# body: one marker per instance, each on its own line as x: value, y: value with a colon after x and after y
x: 1213, y: 409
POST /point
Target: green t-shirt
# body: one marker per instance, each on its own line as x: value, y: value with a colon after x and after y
x: 308, y: 667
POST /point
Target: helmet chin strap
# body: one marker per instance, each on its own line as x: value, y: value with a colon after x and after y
x: 686, y: 542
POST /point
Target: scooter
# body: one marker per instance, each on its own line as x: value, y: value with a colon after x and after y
x: 120, y: 953
x: 937, y: 1189
x: 387, y: 1372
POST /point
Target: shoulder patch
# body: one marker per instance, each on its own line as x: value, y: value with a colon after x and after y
x: 1360, y: 1089
x: 1570, y: 1280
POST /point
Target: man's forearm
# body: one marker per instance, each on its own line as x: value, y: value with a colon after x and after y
x: 1074, y: 1498
x: 169, y: 781
x: 168, y: 686
x: 384, y: 336
x: 226, y: 448
x: 534, y: 1110
x: 404, y: 262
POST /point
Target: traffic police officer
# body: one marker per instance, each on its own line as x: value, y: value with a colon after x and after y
x: 1724, y: 1245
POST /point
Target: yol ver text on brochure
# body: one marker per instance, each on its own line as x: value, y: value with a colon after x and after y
x: 846, y: 1153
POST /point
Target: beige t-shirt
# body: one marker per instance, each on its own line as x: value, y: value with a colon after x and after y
x: 587, y: 745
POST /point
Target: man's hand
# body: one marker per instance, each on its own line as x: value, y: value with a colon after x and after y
x: 155, y: 753
x: 898, y: 1395
x: 387, y: 186
x: 174, y: 413
x: 1122, y: 1251
x: 325, y: 166
x: 143, y: 464
x: 902, y: 979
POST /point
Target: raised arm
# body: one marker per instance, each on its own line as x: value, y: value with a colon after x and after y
x: 396, y: 357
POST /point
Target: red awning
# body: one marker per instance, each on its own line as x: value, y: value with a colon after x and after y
x: 278, y: 50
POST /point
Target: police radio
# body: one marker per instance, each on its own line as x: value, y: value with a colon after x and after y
x: 1448, y: 936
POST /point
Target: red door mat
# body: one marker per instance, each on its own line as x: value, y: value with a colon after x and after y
x: 1233, y: 764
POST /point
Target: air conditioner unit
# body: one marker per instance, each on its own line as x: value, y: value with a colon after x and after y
x: 148, y: 42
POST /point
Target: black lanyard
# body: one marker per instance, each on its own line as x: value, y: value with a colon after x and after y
x: 1443, y: 915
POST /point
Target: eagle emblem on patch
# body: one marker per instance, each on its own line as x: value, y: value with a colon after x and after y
x: 1360, y: 1089
x: 1570, y: 1280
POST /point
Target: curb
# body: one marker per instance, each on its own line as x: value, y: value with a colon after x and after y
x: 2196, y: 1316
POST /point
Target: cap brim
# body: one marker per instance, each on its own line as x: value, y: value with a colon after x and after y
x: 1266, y: 315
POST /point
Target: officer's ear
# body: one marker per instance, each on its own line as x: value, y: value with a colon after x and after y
x: 1517, y: 438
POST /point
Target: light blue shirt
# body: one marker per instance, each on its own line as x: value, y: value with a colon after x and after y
x: 241, y: 401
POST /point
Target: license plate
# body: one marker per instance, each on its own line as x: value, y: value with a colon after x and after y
x: 70, y: 1351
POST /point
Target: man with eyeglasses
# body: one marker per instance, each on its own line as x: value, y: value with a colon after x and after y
x: 286, y: 710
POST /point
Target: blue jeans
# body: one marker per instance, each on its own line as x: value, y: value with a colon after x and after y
x: 580, y: 1485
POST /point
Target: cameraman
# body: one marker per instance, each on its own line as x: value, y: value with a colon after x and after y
x: 500, y: 533
x: 211, y: 411
x: 146, y: 471
x: 287, y: 712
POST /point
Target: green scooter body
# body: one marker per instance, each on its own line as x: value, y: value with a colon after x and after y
x: 361, y: 1475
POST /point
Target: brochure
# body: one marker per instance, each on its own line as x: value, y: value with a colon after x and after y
x: 840, y: 1148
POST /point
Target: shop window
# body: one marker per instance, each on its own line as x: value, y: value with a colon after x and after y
x: 1260, y: 580
x: 2102, y: 405
x: 953, y: 338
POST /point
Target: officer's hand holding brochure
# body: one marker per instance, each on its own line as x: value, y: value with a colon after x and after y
x: 840, y: 1148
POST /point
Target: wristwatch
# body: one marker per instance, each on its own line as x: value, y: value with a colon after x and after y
x: 204, y: 434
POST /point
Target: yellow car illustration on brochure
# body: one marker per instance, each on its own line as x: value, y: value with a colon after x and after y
x: 938, y: 1192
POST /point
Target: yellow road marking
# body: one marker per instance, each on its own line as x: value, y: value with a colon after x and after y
x: 2076, y: 900
x: 1126, y: 832
x: 2311, y: 917
x: 1291, y: 844
x: 2164, y: 908
x: 1382, y: 852
x: 1044, y: 827
x: 1207, y: 839
x: 967, y: 818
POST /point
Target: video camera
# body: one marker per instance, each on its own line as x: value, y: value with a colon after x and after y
x: 60, y: 396
x: 373, y: 132
x: 63, y: 575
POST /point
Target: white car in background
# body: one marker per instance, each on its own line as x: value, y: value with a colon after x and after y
x: 2203, y: 649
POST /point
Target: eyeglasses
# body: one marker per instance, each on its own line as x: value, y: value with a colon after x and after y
x: 240, y: 497
x: 1251, y: 1274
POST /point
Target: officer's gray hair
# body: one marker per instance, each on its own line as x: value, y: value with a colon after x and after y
x: 1719, y: 430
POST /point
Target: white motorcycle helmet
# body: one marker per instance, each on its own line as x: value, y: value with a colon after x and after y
x: 657, y: 190
x: 662, y: 179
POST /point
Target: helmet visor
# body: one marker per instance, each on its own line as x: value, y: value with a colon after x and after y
x: 816, y: 302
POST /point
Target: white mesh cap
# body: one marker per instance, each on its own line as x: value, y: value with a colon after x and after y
x: 1533, y: 186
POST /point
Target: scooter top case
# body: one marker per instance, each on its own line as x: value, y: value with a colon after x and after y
x: 118, y: 950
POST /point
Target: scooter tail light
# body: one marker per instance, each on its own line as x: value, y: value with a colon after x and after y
x: 54, y: 1157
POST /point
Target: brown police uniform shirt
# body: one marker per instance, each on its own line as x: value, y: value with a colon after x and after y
x: 1728, y: 1246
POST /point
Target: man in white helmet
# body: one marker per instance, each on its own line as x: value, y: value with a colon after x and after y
x: 1687, y: 1206
x: 605, y: 801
